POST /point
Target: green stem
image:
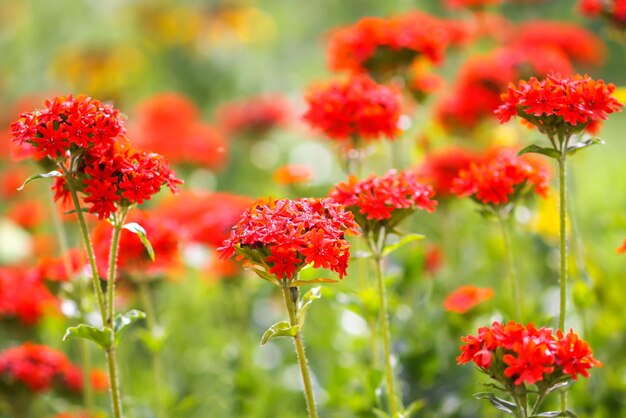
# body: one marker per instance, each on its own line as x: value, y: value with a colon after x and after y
x: 384, y: 321
x: 114, y: 383
x: 563, y: 241
x: 510, y: 264
x: 157, y: 369
x: 292, y: 308
x: 85, y: 357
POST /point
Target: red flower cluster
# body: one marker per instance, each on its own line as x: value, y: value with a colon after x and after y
x: 481, y: 81
x: 559, y: 104
x: 466, y: 297
x: 383, y: 46
x: 355, y: 109
x: 68, y: 124
x: 24, y: 296
x: 37, y: 367
x: 612, y: 10
x: 442, y: 166
x: 527, y: 355
x: 283, y: 236
x: 502, y: 179
x: 81, y: 135
x: 169, y: 123
x: 378, y: 199
x: 204, y: 217
x: 472, y: 4
x: 133, y: 259
x: 254, y: 117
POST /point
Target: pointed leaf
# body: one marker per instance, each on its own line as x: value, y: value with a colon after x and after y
x: 266, y: 276
x: 296, y: 283
x: 280, y: 329
x: 574, y: 148
x: 413, y: 408
x: 306, y: 302
x: 536, y: 149
x: 123, y: 321
x: 101, y: 336
x: 37, y: 176
x: 69, y: 212
x: 380, y: 413
x: 135, y: 228
x: 501, y: 404
x: 403, y: 241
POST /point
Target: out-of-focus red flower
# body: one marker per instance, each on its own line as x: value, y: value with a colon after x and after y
x: 558, y: 104
x: 37, y: 367
x: 529, y: 355
x: 283, y: 236
x: 255, y: 116
x: 613, y: 11
x: 580, y: 45
x: 204, y: 217
x: 481, y: 81
x: 433, y: 259
x: 442, y: 166
x: 133, y: 258
x: 23, y: 296
x: 28, y: 214
x: 622, y: 248
x: 55, y: 269
x: 292, y: 174
x: 466, y: 297
x: 11, y: 180
x: 168, y: 123
x: 383, y: 47
x: 99, y: 380
x: 380, y: 198
x: 501, y: 179
x: 353, y: 110
x: 472, y: 4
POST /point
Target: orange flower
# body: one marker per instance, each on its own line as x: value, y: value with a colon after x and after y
x: 466, y: 297
x: 622, y: 248
x: 293, y: 173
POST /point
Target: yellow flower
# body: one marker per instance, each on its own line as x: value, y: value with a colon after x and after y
x: 545, y: 222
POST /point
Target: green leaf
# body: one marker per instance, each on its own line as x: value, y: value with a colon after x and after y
x: 566, y: 413
x: 155, y: 339
x: 69, y: 212
x: 266, y: 276
x: 280, y: 329
x: 405, y: 240
x: 536, y: 149
x: 306, y: 302
x: 101, y: 336
x: 574, y: 148
x: 40, y: 176
x: 297, y: 283
x: 501, y: 404
x: 380, y: 413
x: 413, y: 408
x: 123, y: 321
x: 135, y: 228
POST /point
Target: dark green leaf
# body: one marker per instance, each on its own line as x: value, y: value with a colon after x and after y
x: 574, y: 148
x: 40, y: 176
x: 405, y: 240
x: 308, y: 299
x: 135, y: 228
x: 103, y: 337
x: 501, y: 404
x: 536, y: 149
x: 123, y: 321
x: 280, y: 329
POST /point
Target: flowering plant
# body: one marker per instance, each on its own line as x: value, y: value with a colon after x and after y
x: 527, y: 363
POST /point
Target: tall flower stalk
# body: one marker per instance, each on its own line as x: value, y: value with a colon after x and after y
x: 278, y: 239
x: 378, y: 205
x: 82, y: 139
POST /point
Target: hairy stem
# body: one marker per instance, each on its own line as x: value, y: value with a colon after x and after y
x: 292, y: 308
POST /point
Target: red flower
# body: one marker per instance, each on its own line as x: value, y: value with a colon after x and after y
x: 530, y: 355
x: 441, y: 167
x: 471, y: 4
x: 24, y: 296
x: 502, y: 179
x: 379, y: 198
x: 354, y: 109
x: 284, y: 235
x: 559, y: 103
x: 169, y: 123
x: 465, y: 298
x: 38, y: 367
x: 254, y: 116
x: 622, y: 248
x: 292, y: 174
x: 612, y: 10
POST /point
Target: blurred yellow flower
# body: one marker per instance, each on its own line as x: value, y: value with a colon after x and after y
x: 545, y: 222
x: 169, y: 26
x: 620, y: 94
x: 245, y: 25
